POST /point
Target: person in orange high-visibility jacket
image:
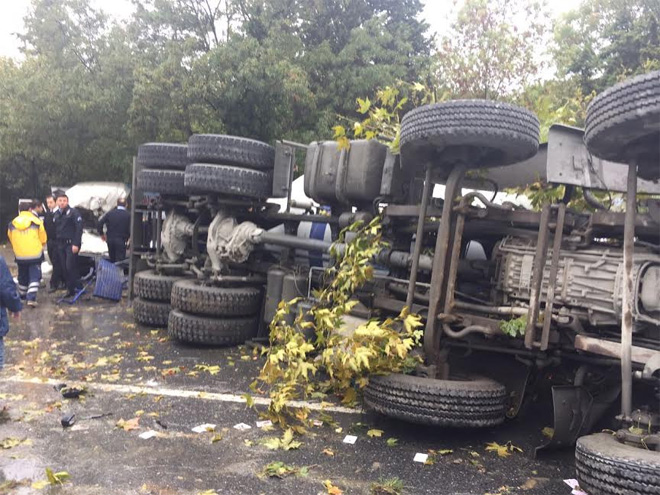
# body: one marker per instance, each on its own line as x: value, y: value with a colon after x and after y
x: 27, y: 235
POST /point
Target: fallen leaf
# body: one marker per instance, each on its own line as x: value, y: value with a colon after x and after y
x: 548, y: 432
x: 249, y: 401
x: 57, y: 478
x: 530, y: 484
x: 375, y: 433
x: 329, y: 452
x: 391, y: 442
x: 502, y: 450
x: 131, y: 424
x: 332, y: 489
x: 10, y: 443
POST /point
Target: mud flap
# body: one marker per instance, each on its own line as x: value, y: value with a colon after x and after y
x: 572, y: 406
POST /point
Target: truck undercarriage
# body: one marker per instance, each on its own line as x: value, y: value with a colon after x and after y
x: 509, y: 295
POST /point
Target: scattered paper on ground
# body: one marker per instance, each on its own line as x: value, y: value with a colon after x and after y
x: 204, y: 428
x: 575, y: 486
x: 350, y: 439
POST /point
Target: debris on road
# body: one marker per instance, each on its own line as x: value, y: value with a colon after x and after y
x: 206, y: 427
x: 575, y: 486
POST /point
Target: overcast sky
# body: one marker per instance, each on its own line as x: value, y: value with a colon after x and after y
x: 436, y: 13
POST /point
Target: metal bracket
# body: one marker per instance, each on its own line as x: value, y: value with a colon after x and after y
x: 652, y: 365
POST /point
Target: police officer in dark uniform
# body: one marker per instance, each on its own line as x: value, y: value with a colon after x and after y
x: 118, y: 230
x: 56, y: 279
x: 68, y: 231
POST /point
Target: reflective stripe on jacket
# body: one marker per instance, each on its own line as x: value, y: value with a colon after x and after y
x: 27, y: 235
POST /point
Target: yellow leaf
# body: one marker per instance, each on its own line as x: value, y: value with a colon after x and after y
x: 328, y: 452
x: 56, y: 478
x: 502, y: 450
x: 375, y: 433
x: 548, y: 432
x: 332, y: 489
x: 10, y: 443
x: 364, y: 105
x: 40, y: 485
x: 131, y: 424
x: 249, y: 401
x: 338, y: 131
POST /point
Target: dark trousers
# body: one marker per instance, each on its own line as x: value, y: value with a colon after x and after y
x: 29, y: 278
x: 56, y: 278
x: 116, y: 249
x: 69, y: 266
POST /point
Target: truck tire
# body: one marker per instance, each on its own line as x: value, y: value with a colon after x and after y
x: 475, y: 402
x: 151, y: 313
x: 226, y: 179
x: 154, y: 286
x: 163, y: 155
x: 211, y: 331
x: 502, y: 133
x: 606, y: 466
x: 161, y: 181
x: 190, y: 296
x: 230, y: 150
x: 625, y: 114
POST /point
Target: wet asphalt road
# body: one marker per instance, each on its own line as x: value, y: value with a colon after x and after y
x: 132, y: 371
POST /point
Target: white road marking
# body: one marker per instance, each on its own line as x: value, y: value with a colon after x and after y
x: 173, y: 392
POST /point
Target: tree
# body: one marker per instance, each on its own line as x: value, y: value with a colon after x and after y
x: 254, y: 91
x: 65, y: 106
x: 347, y: 48
x: 201, y: 24
x: 604, y: 41
x: 493, y: 49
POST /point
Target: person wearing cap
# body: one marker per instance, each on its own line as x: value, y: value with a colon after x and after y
x: 117, y: 223
x: 68, y: 229
x: 27, y: 236
x: 56, y: 279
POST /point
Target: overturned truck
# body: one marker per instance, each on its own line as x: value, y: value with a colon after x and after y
x: 507, y: 293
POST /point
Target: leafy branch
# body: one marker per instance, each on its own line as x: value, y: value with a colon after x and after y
x: 294, y: 364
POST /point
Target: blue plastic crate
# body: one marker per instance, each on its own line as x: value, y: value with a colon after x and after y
x: 110, y: 280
